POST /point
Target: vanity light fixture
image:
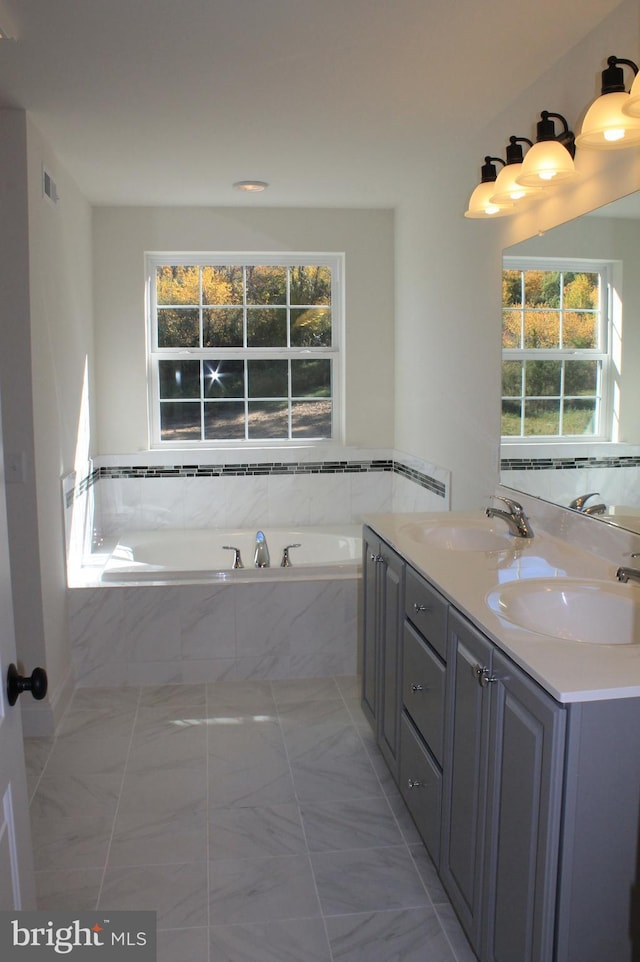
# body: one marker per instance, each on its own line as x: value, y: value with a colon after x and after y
x: 550, y: 160
x: 480, y: 202
x: 607, y: 124
x: 506, y: 190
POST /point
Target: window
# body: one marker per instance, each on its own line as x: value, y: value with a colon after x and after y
x: 244, y: 348
x: 555, y: 350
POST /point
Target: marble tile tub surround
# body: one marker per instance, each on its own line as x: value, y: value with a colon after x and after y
x: 155, y: 634
x: 194, y: 489
x: 258, y: 819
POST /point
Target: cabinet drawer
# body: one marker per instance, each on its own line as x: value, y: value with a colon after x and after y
x: 421, y: 787
x: 423, y: 682
x: 427, y: 610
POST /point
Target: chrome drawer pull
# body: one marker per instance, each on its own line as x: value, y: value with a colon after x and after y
x: 418, y: 607
x: 417, y: 688
x: 412, y: 783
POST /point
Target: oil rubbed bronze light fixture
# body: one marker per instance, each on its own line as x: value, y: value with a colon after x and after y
x: 506, y: 188
x: 550, y: 161
x: 612, y: 121
x: 480, y: 202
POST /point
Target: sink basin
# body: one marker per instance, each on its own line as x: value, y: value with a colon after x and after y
x: 593, y: 612
x: 478, y: 535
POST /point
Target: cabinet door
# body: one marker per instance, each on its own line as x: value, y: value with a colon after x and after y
x: 464, y: 768
x: 369, y: 630
x: 526, y: 754
x: 391, y: 624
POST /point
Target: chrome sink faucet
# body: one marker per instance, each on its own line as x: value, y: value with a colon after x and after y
x: 629, y: 574
x: 580, y: 504
x: 516, y: 519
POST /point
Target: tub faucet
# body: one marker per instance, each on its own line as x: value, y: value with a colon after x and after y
x: 515, y: 517
x: 261, y: 558
x: 286, y: 563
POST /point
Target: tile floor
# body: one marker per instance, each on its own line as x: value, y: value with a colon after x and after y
x: 257, y: 818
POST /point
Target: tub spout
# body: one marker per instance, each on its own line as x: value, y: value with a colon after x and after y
x: 261, y: 558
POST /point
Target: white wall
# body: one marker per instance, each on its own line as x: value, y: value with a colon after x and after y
x: 121, y: 237
x: 46, y: 339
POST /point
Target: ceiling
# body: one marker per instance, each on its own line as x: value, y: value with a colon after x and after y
x: 336, y: 103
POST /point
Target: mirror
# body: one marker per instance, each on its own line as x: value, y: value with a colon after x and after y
x: 561, y: 471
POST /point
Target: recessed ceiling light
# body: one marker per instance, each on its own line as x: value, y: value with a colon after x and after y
x: 251, y: 186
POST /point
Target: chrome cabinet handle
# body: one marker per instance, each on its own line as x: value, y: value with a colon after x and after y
x: 483, y: 676
x: 412, y: 783
x: 419, y: 607
x: 417, y: 688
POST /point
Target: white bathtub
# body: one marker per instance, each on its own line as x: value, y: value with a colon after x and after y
x: 168, y: 555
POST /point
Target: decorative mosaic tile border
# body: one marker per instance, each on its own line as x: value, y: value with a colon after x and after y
x: 567, y: 464
x: 268, y: 468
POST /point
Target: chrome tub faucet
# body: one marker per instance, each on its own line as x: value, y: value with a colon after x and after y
x: 261, y: 557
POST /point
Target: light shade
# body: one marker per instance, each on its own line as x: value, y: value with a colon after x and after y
x: 506, y: 189
x: 480, y: 203
x: 547, y: 163
x: 607, y: 124
x: 631, y: 107
x: 606, y: 127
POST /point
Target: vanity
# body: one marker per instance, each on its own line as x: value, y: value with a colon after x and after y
x: 501, y: 676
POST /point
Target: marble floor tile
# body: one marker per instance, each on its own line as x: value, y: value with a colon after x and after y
x: 113, y: 698
x: 76, y: 794
x: 358, y: 880
x: 253, y: 832
x: 262, y: 889
x: 335, y: 767
x: 152, y: 838
x: 64, y: 842
x: 349, y: 823
x: 183, y: 945
x: 256, y: 818
x: 64, y: 889
x: 176, y: 789
x: 178, y: 893
x: 412, y: 935
x: 294, y: 940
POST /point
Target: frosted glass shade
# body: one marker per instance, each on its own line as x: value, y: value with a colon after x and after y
x: 506, y: 190
x: 606, y: 127
x: 631, y: 107
x: 481, y: 205
x: 546, y: 164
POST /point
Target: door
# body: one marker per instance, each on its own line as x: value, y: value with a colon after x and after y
x: 17, y: 887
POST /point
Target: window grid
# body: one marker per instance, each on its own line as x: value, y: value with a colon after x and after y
x: 517, y: 406
x: 300, y: 407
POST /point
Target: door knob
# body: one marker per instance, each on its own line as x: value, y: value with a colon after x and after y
x: 36, y: 683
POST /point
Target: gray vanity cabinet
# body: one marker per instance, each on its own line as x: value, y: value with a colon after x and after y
x: 502, y: 801
x: 383, y: 615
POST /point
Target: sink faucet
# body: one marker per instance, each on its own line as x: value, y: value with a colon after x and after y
x: 628, y: 574
x: 579, y: 504
x: 515, y: 517
x: 261, y: 558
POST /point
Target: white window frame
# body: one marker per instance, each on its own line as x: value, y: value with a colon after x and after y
x: 334, y: 260
x: 603, y: 353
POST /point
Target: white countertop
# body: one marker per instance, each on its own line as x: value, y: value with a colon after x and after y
x: 570, y: 671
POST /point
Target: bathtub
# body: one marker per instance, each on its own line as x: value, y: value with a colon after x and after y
x: 169, y: 555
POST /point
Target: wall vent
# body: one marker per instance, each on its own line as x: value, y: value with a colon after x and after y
x: 49, y: 187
